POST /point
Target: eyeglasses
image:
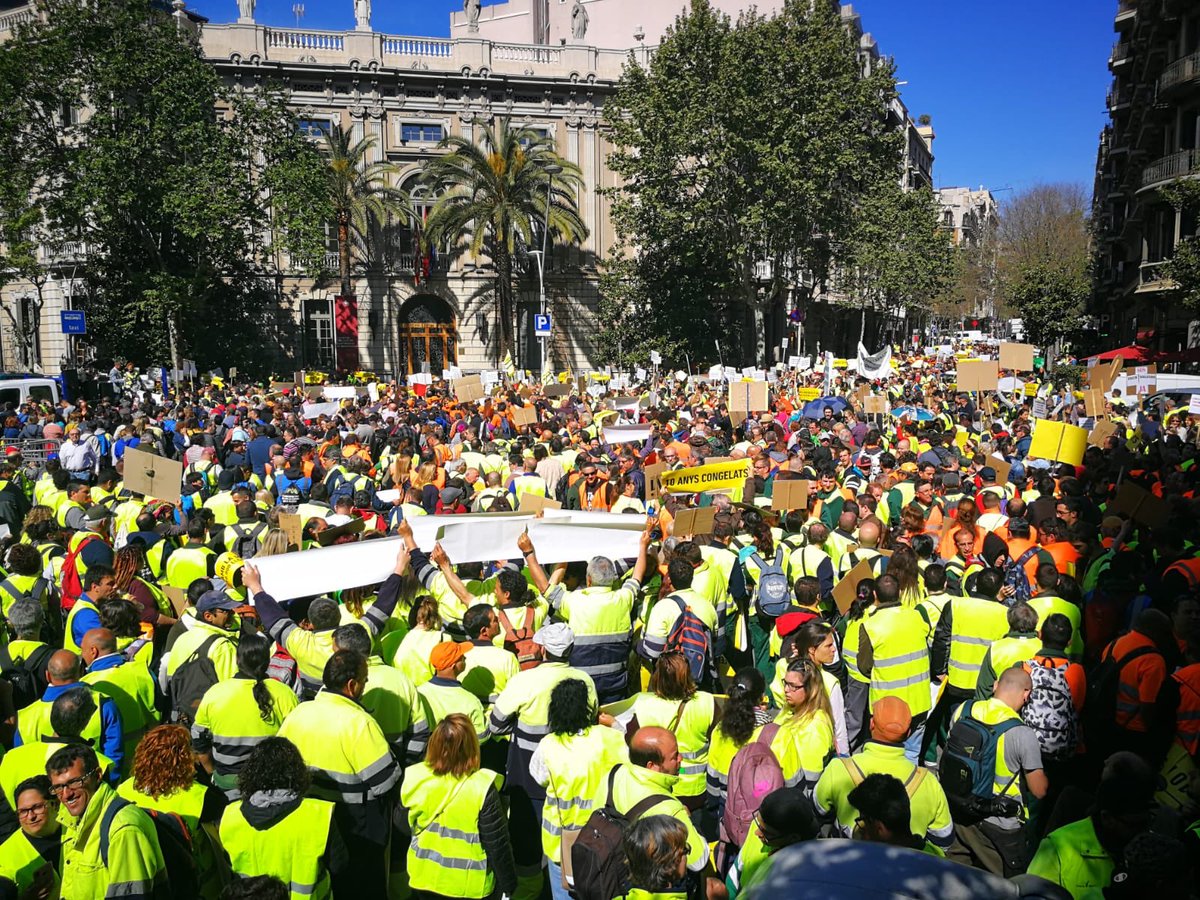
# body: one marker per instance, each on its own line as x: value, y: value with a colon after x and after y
x: 25, y: 812
x: 792, y: 686
x: 74, y: 784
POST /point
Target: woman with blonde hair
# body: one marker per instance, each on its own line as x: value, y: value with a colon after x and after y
x: 275, y: 543
x: 424, y: 633
x: 805, y: 742
x: 674, y: 703
x: 460, y: 843
x: 814, y: 641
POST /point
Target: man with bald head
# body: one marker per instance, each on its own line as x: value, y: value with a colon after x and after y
x: 842, y: 538
x: 104, y: 730
x: 867, y: 551
x: 129, y: 683
x: 652, y: 771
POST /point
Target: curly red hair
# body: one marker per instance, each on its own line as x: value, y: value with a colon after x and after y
x: 163, y: 763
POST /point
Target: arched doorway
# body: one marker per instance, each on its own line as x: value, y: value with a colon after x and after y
x: 427, y: 335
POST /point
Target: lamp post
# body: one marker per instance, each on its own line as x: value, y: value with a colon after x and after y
x: 551, y: 170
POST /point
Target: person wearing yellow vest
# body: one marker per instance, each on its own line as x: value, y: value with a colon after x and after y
x: 784, y: 818
x: 527, y: 481
x: 674, y: 703
x: 893, y: 651
x: 223, y: 504
x: 192, y: 560
x: 99, y: 584
x: 966, y: 629
x: 104, y: 728
x: 891, y: 724
x: 488, y: 668
x: 352, y: 766
x: 1081, y: 857
x: 1017, y: 647
x: 391, y: 697
x: 133, y: 865
x: 460, y: 842
x: 1046, y: 602
x: 571, y: 763
x: 127, y: 682
x: 884, y: 814
x: 442, y: 695
x: 276, y: 830
x: 164, y: 780
x: 998, y: 842
x: 214, y: 634
x: 71, y: 511
x: 656, y: 848
x: 25, y: 580
x: 804, y: 742
x: 31, y: 855
x: 237, y: 715
x: 312, y: 647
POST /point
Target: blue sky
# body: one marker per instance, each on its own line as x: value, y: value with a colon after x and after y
x: 1016, y: 90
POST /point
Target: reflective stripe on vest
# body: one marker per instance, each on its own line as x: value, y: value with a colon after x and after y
x: 292, y: 850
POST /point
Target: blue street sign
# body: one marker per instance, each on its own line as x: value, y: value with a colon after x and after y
x: 73, y: 321
x: 541, y: 325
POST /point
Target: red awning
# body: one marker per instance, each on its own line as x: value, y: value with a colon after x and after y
x: 1131, y: 354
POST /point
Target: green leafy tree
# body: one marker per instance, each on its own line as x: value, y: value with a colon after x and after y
x: 492, y: 199
x: 1183, y: 268
x: 120, y: 136
x: 1044, y: 260
x: 743, y: 154
x: 361, y: 196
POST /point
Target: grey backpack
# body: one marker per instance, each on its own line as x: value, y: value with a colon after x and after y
x: 1050, y: 711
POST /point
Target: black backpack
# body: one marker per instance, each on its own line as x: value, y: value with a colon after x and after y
x: 28, y: 677
x: 246, y: 543
x: 175, y: 841
x: 599, y: 868
x: 967, y: 769
x: 1100, y: 712
x: 191, y: 680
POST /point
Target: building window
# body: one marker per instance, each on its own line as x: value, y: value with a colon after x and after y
x: 421, y: 132
x: 542, y: 132
x: 313, y: 128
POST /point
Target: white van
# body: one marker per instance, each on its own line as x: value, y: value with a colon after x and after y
x: 19, y: 389
x: 969, y: 336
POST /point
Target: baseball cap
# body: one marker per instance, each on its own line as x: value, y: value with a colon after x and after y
x: 987, y: 473
x: 447, y: 654
x: 238, y: 435
x: 557, y: 638
x: 97, y: 513
x: 891, y: 720
x: 211, y: 600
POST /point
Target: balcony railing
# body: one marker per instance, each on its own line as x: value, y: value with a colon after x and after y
x: 1177, y: 165
x: 407, y: 46
x: 11, y: 20
x: 1126, y: 9
x: 1180, y: 72
x: 1120, y: 52
x: 1118, y: 98
x: 528, y: 53
x: 290, y: 39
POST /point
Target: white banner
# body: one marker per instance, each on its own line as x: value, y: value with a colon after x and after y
x: 874, y: 366
x: 315, y: 410
x: 340, y: 393
x: 624, y: 434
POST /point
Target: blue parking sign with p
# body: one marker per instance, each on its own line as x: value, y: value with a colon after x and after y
x: 541, y: 325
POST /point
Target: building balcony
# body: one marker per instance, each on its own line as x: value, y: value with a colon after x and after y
x: 1184, y: 164
x: 1126, y: 13
x: 1183, y: 71
x: 1121, y: 54
x: 1119, y: 99
x: 1151, y: 279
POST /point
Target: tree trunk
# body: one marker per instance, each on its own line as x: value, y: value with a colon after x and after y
x: 504, y: 298
x: 343, y: 238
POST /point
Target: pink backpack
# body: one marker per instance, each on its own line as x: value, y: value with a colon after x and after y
x: 754, y: 773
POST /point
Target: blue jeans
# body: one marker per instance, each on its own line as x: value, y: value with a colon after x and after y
x: 912, y: 745
x: 557, y: 891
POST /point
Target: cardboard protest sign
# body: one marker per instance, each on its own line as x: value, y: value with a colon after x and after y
x: 1102, y: 375
x: 1141, y: 505
x: 532, y: 503
x: 524, y: 415
x: 178, y: 598
x: 330, y: 535
x: 876, y: 406
x: 1093, y: 403
x: 1039, y: 408
x: 653, y: 475
x: 1101, y: 432
x: 846, y: 589
x: 808, y: 394
x: 747, y: 396
x: 1141, y: 380
x: 1058, y: 441
x: 1003, y: 468
x: 298, y: 378
x: 292, y: 525
x: 468, y: 389
x: 1018, y: 357
x: 1194, y: 405
x: 278, y: 387
x: 557, y: 390
x: 152, y: 476
x: 698, y: 520
x: 789, y: 494
x: 978, y: 375
x: 711, y: 477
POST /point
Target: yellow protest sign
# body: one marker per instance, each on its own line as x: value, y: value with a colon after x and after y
x: 808, y: 394
x: 713, y: 477
x: 1058, y: 441
x: 1031, y: 388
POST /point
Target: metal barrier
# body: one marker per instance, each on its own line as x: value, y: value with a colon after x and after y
x: 34, y: 453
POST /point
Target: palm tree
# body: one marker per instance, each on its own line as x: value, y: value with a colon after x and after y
x: 360, y: 194
x: 495, y: 192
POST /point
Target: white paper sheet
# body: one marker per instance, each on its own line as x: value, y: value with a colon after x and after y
x: 340, y: 393
x: 315, y: 410
x: 388, y: 496
x: 623, y: 434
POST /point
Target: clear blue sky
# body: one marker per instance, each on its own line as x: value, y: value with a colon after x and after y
x: 1016, y: 90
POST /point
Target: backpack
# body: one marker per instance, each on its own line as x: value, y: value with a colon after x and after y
x: 339, y: 486
x: 691, y: 637
x: 1016, y: 577
x: 72, y: 581
x: 28, y: 677
x: 753, y: 773
x: 246, y: 541
x: 520, y: 642
x: 599, y: 867
x: 37, y: 590
x: 191, y: 680
x: 774, y: 594
x: 175, y: 840
x: 1050, y: 711
x: 967, y: 769
x: 1100, y: 727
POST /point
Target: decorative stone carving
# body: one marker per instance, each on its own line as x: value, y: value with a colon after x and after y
x: 362, y: 15
x: 579, y: 21
x: 246, y: 11
x: 471, y: 8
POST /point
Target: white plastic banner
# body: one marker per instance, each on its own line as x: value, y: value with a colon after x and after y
x: 340, y: 393
x: 874, y: 366
x: 624, y: 434
x: 315, y: 410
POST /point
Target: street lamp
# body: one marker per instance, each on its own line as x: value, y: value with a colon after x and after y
x: 551, y: 169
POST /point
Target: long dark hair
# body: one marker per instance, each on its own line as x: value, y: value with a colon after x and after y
x: 253, y: 658
x: 514, y: 584
x: 737, y: 715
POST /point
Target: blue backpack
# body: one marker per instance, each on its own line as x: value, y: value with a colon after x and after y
x: 774, y: 594
x: 1016, y: 578
x: 967, y: 769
